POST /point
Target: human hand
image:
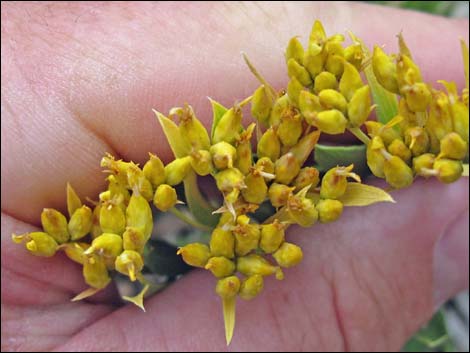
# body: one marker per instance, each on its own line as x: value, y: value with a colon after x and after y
x: 81, y: 79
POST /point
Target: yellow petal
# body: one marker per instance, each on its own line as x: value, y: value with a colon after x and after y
x: 73, y: 201
x: 228, y: 305
x: 85, y: 294
x: 363, y: 195
x: 138, y: 299
x: 178, y: 145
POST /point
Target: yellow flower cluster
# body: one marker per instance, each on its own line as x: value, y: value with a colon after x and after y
x: 326, y: 93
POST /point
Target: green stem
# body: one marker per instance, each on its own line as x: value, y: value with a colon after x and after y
x: 191, y: 221
x: 360, y: 135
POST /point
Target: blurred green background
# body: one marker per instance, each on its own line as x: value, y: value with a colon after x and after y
x: 448, y: 330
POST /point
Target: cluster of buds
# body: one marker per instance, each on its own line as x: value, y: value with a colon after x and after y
x: 429, y: 136
x: 326, y: 94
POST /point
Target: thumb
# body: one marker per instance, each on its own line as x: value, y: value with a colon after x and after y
x: 366, y: 283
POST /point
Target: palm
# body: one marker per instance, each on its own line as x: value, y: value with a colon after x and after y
x: 359, y: 277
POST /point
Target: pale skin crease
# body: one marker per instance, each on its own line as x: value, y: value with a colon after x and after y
x: 79, y: 80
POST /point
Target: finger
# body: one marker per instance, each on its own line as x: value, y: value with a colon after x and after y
x: 81, y: 79
x: 366, y: 282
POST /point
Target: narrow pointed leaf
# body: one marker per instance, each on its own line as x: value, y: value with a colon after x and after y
x: 229, y: 306
x: 73, y: 201
x: 218, y: 110
x: 363, y: 195
x: 178, y: 145
x: 329, y: 156
x: 197, y: 203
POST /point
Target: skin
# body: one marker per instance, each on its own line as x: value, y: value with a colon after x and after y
x: 80, y: 79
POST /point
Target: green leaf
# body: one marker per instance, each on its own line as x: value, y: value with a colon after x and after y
x: 218, y: 110
x: 178, y: 145
x: 329, y: 156
x: 228, y: 308
x: 358, y: 194
x: 431, y: 338
x: 387, y: 104
x: 197, y: 203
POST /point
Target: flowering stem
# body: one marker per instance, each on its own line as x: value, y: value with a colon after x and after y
x: 360, y: 135
x: 191, y: 221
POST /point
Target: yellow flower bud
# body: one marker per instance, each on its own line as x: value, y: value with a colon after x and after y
x: 288, y: 255
x: 272, y: 236
x: 54, y: 223
x: 220, y: 266
x: 295, y: 50
x: 294, y: 87
x: 139, y: 183
x: 440, y: 120
x: 448, y: 170
x: 329, y: 210
x: 359, y: 107
x: 75, y: 251
x: 294, y: 69
x: 334, y: 182
x: 355, y: 55
x: 201, y: 162
x: 228, y: 287
x: 301, y: 210
x: 95, y: 222
x: 309, y: 105
x: 331, y: 99
x: 423, y: 164
x: 334, y: 62
x: 251, y: 287
x: 256, y: 189
x: 229, y: 179
x: 112, y: 218
x: 251, y: 265
x: 154, y: 170
x: 129, y: 263
x: 418, y: 96
x: 317, y: 34
x: 165, y: 197
x: 95, y: 272
x: 307, y: 176
x: 290, y: 129
x: 385, y: 70
x: 280, y: 105
x: 375, y: 158
x: 244, y: 158
x: 139, y: 215
x: 269, y: 145
x: 386, y: 133
x: 229, y: 126
x: 80, y: 223
x: 453, y: 146
x: 222, y: 242
x: 191, y: 129
x: 118, y: 192
x: 265, y: 164
x: 314, y: 59
x: 195, y: 254
x: 417, y: 140
x: 119, y: 168
x: 37, y: 243
x: 408, y: 72
x: 133, y: 239
x: 350, y: 81
x: 177, y: 170
x: 460, y: 119
x: 410, y: 118
x: 397, y: 173
x: 261, y: 105
x: 398, y: 148
x: 286, y: 168
x: 305, y: 146
x: 325, y: 80
x: 223, y: 155
x: 246, y: 236
x: 331, y: 122
x: 279, y: 194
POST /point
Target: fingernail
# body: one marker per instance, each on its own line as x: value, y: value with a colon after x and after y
x: 451, y: 267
